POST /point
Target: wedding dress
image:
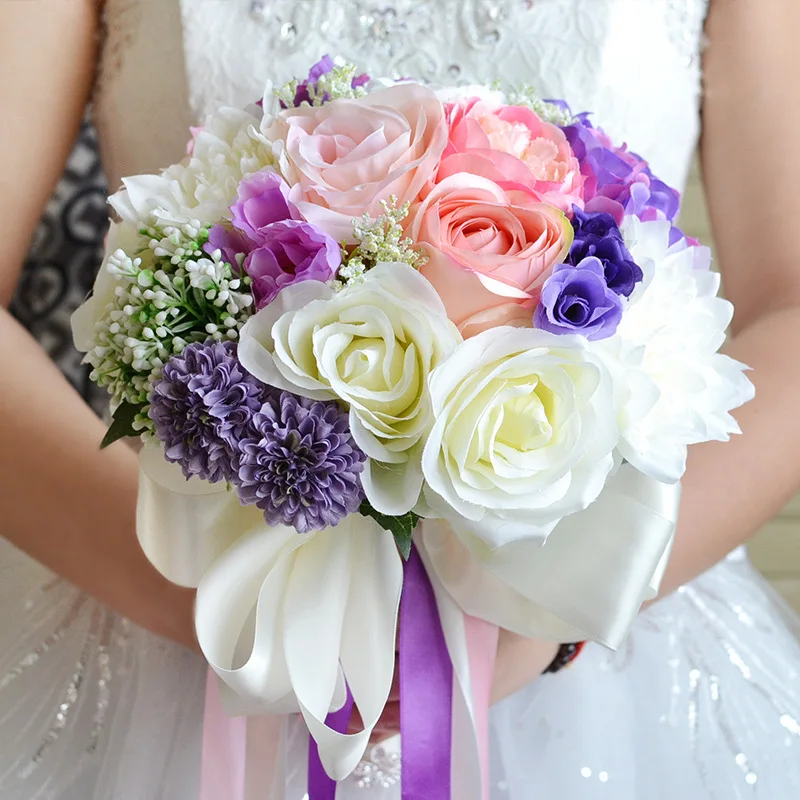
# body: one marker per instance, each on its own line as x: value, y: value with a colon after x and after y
x: 703, y: 700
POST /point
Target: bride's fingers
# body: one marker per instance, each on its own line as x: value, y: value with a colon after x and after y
x: 394, y: 692
x: 356, y: 723
x: 388, y: 725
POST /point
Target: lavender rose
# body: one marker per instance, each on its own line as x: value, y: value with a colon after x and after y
x: 299, y: 463
x: 270, y: 240
x: 576, y: 299
x: 201, y: 406
x: 598, y: 235
x: 290, y: 251
x: 263, y: 198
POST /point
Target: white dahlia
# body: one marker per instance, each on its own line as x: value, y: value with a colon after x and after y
x: 674, y: 387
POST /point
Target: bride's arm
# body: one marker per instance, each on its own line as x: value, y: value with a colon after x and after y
x: 751, y: 164
x: 750, y: 147
x: 61, y: 500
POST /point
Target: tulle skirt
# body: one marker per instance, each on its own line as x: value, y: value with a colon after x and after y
x: 703, y: 701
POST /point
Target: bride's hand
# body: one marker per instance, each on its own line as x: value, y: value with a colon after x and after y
x: 519, y: 661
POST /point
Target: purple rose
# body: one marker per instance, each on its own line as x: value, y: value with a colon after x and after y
x: 598, y: 235
x: 290, y: 251
x: 322, y: 67
x: 576, y: 299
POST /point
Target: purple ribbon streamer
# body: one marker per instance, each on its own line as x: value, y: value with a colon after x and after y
x: 426, y: 690
x: 320, y: 785
x: 426, y: 698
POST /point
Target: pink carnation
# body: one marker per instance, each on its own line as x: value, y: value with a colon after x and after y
x: 515, y: 148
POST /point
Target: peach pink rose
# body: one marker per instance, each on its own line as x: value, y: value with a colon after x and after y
x: 490, y: 250
x: 512, y: 146
x: 341, y: 159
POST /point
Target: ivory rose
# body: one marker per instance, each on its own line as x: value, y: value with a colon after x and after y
x: 489, y: 250
x: 524, y: 434
x: 514, y: 147
x: 342, y: 158
x: 371, y: 346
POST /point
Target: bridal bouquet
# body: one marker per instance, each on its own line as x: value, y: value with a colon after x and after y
x: 382, y: 341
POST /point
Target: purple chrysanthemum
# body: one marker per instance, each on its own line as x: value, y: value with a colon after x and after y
x: 299, y: 464
x: 201, y: 405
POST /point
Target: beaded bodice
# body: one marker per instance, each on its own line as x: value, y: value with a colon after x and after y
x: 167, y: 63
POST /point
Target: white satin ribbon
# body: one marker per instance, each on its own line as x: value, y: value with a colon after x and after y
x: 587, y: 581
x: 282, y: 619
x: 184, y: 526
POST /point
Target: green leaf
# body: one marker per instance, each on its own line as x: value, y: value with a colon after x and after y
x: 401, y: 527
x: 121, y: 424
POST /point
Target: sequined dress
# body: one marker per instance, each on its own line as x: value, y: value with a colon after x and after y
x: 703, y: 700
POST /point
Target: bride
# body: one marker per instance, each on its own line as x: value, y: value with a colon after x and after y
x: 703, y: 701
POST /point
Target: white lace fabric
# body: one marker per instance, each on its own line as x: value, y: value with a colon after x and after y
x: 703, y: 702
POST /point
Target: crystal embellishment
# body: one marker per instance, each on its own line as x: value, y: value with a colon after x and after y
x: 380, y: 770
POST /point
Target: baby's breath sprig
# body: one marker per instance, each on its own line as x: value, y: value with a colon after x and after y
x: 168, y: 295
x: 379, y: 240
x: 336, y: 84
x: 549, y: 112
x: 333, y: 85
x: 287, y: 93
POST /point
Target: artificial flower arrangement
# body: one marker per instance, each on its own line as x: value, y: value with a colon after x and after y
x: 383, y: 341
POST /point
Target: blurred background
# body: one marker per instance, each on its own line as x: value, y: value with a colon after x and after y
x: 67, y: 249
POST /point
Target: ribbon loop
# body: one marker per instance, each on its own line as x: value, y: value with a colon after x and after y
x: 588, y: 580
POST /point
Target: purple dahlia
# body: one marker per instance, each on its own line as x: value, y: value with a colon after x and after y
x: 299, y: 464
x: 201, y: 405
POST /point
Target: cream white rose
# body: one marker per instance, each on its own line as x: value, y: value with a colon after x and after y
x: 371, y: 345
x: 524, y: 432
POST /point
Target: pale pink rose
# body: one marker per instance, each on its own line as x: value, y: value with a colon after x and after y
x: 512, y: 146
x: 489, y: 250
x: 341, y: 159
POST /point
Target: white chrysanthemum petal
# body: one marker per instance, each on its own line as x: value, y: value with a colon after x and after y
x: 673, y: 387
x: 203, y: 185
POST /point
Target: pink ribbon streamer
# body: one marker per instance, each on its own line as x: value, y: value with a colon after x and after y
x: 223, y: 769
x: 482, y: 638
